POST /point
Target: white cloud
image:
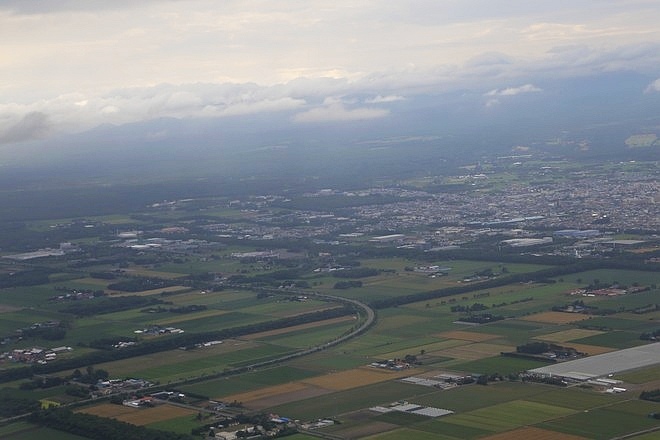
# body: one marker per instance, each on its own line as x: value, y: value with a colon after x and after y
x: 83, y: 63
x: 338, y: 112
x: 512, y: 91
x: 385, y: 99
x: 653, y: 87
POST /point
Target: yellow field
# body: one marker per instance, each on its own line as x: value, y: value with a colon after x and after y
x: 532, y: 433
x: 555, y: 317
x: 357, y: 377
x: 590, y: 349
x: 467, y: 336
x: 472, y: 352
x: 568, y: 335
x: 262, y: 393
x: 138, y: 416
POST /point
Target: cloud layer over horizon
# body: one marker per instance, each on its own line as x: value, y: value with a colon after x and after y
x: 67, y: 66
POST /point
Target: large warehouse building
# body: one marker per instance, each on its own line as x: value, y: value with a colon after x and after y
x: 604, y: 364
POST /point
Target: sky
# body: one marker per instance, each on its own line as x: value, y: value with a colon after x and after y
x: 67, y: 66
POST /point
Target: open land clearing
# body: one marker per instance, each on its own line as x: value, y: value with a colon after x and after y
x: 281, y: 331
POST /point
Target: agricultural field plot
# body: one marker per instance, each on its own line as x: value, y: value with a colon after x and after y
x: 471, y: 397
x: 277, y: 395
x: 128, y: 367
x: 219, y: 388
x: 88, y: 283
x: 610, y: 276
x: 615, y: 339
x: 568, y: 335
x: 168, y: 289
x: 602, y: 423
x: 179, y: 317
x: 5, y: 308
x: 145, y: 272
x: 32, y: 296
x: 425, y: 351
x: 649, y: 436
x: 26, y: 431
x: 497, y: 364
x: 555, y: 317
x: 305, y: 338
x: 14, y: 320
x: 641, y: 376
x: 209, y: 365
x: 218, y: 322
x: 508, y: 416
x: 345, y: 402
x: 358, y: 377
x: 138, y: 416
x: 409, y: 433
x: 450, y: 430
x: 474, y: 351
x: 283, y: 307
x: 271, y: 334
x: 616, y: 322
x: 364, y: 429
x: 376, y: 346
x: 576, y: 398
x: 226, y: 299
x: 591, y: 350
x: 468, y: 336
x: 533, y: 433
x: 629, y: 301
x: 181, y: 425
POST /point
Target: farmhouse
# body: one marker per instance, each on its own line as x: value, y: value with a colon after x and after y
x: 603, y: 364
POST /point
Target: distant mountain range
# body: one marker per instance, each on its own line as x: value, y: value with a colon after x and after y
x: 584, y: 117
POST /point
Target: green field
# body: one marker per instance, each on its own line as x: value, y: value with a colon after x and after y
x: 498, y: 364
x: 509, y: 415
x: 218, y: 388
x: 26, y: 431
x: 603, y: 423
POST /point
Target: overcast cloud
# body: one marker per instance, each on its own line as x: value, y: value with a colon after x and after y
x: 80, y: 63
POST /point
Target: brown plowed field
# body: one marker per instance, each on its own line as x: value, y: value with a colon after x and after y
x: 138, y: 416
